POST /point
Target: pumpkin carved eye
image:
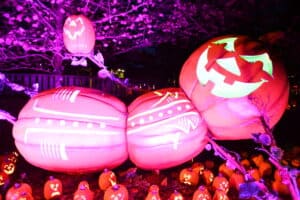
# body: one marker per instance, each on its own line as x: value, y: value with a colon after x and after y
x: 224, y: 81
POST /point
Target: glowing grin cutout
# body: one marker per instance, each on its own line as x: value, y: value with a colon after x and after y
x: 78, y: 27
x: 237, y: 88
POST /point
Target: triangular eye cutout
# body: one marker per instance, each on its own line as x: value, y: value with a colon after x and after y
x: 230, y: 65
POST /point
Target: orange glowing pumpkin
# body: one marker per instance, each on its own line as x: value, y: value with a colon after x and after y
x: 202, y: 193
x: 4, y: 178
x: 234, y: 83
x: 53, y: 188
x: 220, y: 183
x: 176, y: 196
x: 116, y: 192
x: 106, y: 179
x: 153, y: 193
x: 19, y: 191
x: 83, y: 192
x: 189, y: 176
x: 78, y: 34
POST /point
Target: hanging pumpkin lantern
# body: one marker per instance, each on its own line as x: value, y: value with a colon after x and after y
x: 265, y: 168
x: 258, y: 159
x: 176, y: 196
x: 19, y: 191
x: 220, y: 183
x: 116, y: 192
x: 106, y: 179
x: 83, y: 192
x: 189, y: 177
x: 78, y: 34
x: 164, y: 124
x: 202, y: 193
x: 236, y: 86
x: 59, y: 130
x: 153, y: 193
x: 53, y: 188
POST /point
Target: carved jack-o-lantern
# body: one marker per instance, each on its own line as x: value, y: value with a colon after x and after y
x: 79, y: 34
x: 202, y: 193
x: 19, y: 191
x: 116, y: 192
x: 189, y: 176
x: 106, y: 179
x: 8, y: 167
x: 234, y: 83
x: 164, y: 124
x: 153, y: 193
x: 53, y: 188
x: 83, y: 192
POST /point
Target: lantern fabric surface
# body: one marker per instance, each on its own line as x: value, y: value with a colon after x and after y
x: 72, y: 129
x: 234, y: 84
x: 164, y: 129
x: 78, y: 34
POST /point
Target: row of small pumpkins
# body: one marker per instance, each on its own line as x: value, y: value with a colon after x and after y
x: 229, y: 89
x: 199, y: 175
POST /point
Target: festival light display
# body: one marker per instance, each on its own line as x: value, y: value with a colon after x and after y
x: 164, y: 124
x: 236, y: 86
x: 72, y: 129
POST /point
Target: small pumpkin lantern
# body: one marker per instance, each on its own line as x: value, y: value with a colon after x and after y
x: 153, y: 193
x: 202, y: 193
x: 78, y: 34
x: 225, y: 170
x: 163, y: 123
x: 83, y: 192
x: 176, y: 196
x: 258, y: 159
x: 13, y: 157
x: 189, y: 177
x: 198, y: 167
x: 8, y: 167
x: 220, y: 195
x: 265, y: 168
x: 235, y: 180
x: 116, y: 192
x: 280, y: 188
x: 245, y: 163
x: 53, y: 188
x: 19, y: 191
x: 220, y: 183
x: 254, y: 174
x: 208, y: 177
x: 235, y: 75
x: 4, y: 178
x: 106, y: 179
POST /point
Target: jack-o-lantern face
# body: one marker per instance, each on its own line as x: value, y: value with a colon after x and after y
x: 237, y: 86
x: 230, y: 72
x: 52, y: 188
x: 79, y: 34
x: 8, y: 167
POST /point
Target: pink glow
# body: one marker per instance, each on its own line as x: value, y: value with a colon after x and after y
x: 164, y: 129
x: 60, y: 129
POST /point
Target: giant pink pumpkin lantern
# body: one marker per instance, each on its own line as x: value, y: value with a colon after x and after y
x: 78, y: 34
x: 72, y: 129
x: 236, y: 86
x: 164, y: 129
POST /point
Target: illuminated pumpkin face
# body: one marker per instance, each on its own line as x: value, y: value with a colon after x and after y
x: 116, y: 192
x: 79, y: 34
x: 8, y: 167
x: 231, y: 64
x: 19, y: 191
x: 235, y: 83
x: 52, y: 188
